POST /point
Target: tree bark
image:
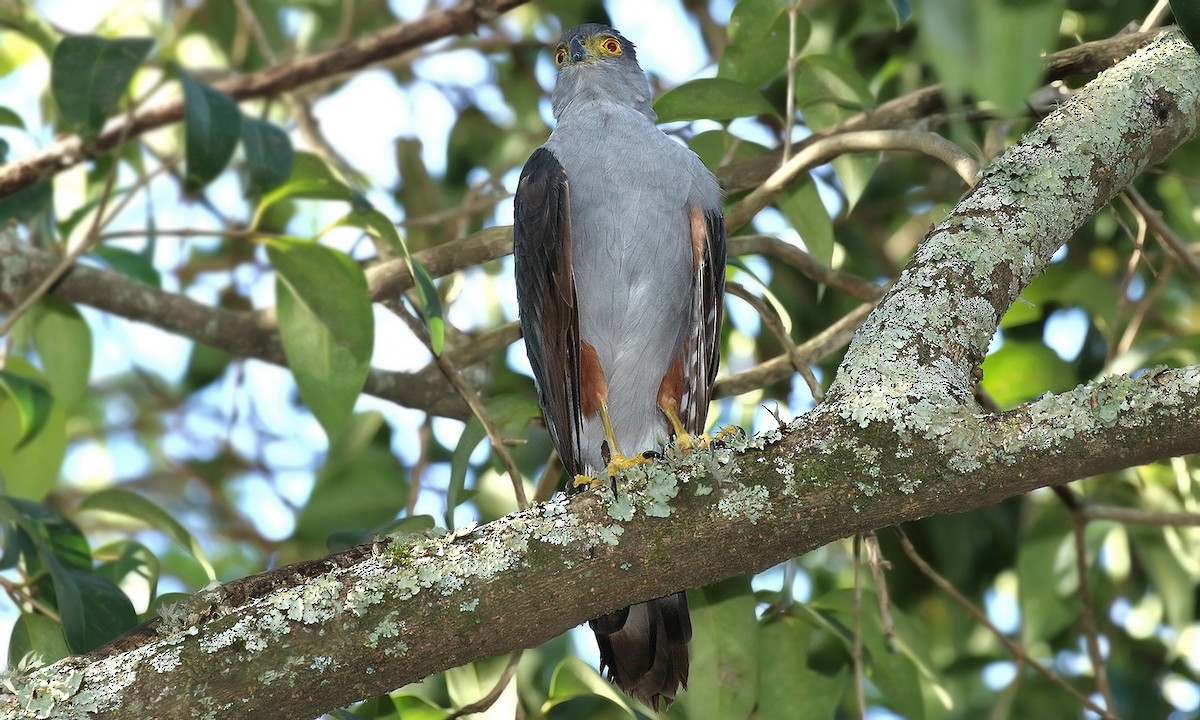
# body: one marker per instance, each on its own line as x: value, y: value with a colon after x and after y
x: 898, y: 438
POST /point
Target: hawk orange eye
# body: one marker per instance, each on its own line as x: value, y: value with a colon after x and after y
x: 612, y: 46
x: 560, y: 57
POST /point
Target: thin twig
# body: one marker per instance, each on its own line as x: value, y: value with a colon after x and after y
x: 471, y: 398
x: 493, y: 695
x: 1079, y: 521
x: 774, y: 323
x: 860, y: 691
x: 827, y: 148
x: 878, y: 565
x: 1157, y: 16
x: 793, y: 58
x: 980, y: 617
x: 1164, y: 232
x: 812, y: 268
x: 1143, y: 517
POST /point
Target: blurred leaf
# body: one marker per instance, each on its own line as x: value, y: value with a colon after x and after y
x: 361, y: 486
x: 64, y: 345
x: 37, y: 635
x: 29, y: 463
x: 310, y: 179
x: 1187, y: 17
x: 758, y: 41
x: 787, y: 688
x: 411, y: 707
x: 132, y: 505
x: 27, y: 203
x: 801, y: 204
x: 93, y: 609
x: 326, y: 324
x: 206, y: 365
x: 468, y: 683
x: 132, y: 265
x: 1169, y: 576
x: 990, y: 48
x: 88, y: 75
x: 573, y: 678
x: 130, y: 566
x: 828, y: 91
x: 212, y: 126
x: 711, y: 98
x: 510, y: 413
x: 269, y: 156
x: 32, y: 402
x: 1041, y: 573
x: 723, y: 681
x: 11, y: 119
x: 1070, y: 285
x: 1021, y: 371
x: 381, y: 227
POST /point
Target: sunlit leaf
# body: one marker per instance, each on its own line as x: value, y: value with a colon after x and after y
x: 829, y: 90
x: 88, y: 75
x: 381, y: 227
x: 64, y: 344
x: 212, y: 126
x: 132, y: 505
x: 326, y: 324
x: 310, y: 179
x: 711, y: 98
x: 39, y: 636
x: 1021, y: 371
x: 802, y: 205
x: 31, y: 400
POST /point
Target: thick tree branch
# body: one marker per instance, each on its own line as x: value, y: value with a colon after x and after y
x: 900, y: 439
x: 69, y: 151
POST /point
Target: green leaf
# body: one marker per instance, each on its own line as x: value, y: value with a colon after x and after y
x: 1045, y: 559
x: 990, y: 48
x: 758, y: 41
x: 26, y: 204
x: 32, y: 402
x: 1187, y: 17
x: 39, y: 636
x: 381, y: 227
x: 723, y: 682
x: 711, y: 98
x: 30, y: 463
x: 468, y: 683
x: 1020, y: 371
x: 130, y: 566
x: 88, y: 75
x: 93, y: 609
x: 269, y: 156
x: 132, y: 505
x: 326, y: 324
x: 64, y: 344
x: 360, y: 488
x: 802, y: 205
x: 829, y: 90
x: 310, y: 179
x: 212, y: 125
x: 1157, y: 553
x: 573, y: 678
x: 787, y: 688
x: 510, y: 413
x: 11, y: 119
x: 132, y: 265
x: 412, y: 707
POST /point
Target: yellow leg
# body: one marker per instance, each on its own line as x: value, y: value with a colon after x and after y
x: 682, y: 437
x: 617, y: 461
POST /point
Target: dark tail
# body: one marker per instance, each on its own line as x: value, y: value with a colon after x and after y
x: 644, y: 648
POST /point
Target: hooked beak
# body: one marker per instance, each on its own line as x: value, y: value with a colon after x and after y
x: 577, y: 51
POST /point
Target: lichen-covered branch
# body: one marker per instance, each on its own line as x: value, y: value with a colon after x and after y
x: 372, y: 619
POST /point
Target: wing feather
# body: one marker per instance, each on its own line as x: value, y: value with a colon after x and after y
x: 704, y: 343
x: 546, y: 298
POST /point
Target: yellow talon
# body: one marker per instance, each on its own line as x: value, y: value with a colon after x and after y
x: 590, y: 482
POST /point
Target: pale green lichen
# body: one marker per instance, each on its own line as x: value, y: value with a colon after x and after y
x: 468, y: 605
x: 749, y: 502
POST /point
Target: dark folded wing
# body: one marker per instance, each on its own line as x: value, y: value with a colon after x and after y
x: 546, y: 298
x: 704, y: 343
